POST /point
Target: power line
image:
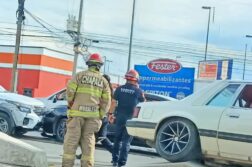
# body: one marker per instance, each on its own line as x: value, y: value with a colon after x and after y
x: 155, y: 46
x: 36, y: 19
x: 146, y: 55
x: 194, y: 54
x: 160, y: 43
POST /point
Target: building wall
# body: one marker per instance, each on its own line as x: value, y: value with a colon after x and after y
x: 49, y: 85
x: 5, y: 77
x: 28, y: 79
x: 41, y: 70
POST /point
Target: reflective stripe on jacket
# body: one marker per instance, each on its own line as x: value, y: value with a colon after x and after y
x: 89, y: 93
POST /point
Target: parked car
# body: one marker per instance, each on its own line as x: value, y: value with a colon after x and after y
x: 59, y: 99
x: 55, y: 100
x: 19, y: 113
x: 55, y: 120
x: 214, y: 122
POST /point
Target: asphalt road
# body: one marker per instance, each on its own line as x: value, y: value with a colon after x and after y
x: 138, y: 157
x: 143, y: 158
x: 102, y: 157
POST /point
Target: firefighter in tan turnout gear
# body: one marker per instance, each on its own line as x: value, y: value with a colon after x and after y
x: 88, y: 96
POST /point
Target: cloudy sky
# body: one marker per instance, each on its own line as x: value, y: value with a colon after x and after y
x: 183, y: 22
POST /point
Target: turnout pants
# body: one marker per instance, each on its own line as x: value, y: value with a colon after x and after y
x: 80, y: 131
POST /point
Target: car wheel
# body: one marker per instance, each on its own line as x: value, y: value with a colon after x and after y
x: 61, y: 129
x: 19, y: 132
x: 5, y: 124
x: 177, y: 140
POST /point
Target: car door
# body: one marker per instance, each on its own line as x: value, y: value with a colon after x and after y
x: 211, y: 116
x: 235, y: 128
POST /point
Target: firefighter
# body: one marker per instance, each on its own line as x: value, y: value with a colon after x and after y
x: 102, y: 134
x: 88, y: 96
x: 127, y: 97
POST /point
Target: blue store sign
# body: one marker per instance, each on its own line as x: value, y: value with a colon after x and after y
x: 178, y: 83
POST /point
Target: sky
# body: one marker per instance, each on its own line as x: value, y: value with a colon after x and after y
x: 180, y: 24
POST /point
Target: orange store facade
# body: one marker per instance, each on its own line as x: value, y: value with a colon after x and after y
x: 41, y: 71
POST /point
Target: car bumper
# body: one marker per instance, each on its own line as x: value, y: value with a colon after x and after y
x: 140, y: 129
x: 32, y: 122
x: 48, y: 123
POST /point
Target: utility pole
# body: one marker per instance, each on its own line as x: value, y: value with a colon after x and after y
x: 20, y: 19
x: 104, y: 65
x: 245, y: 57
x: 131, y: 33
x: 244, y: 63
x: 77, y: 41
x: 109, y: 61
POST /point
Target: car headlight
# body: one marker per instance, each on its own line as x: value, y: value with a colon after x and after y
x: 22, y: 107
x: 40, y: 110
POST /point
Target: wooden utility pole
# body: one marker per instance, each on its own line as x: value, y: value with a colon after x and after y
x: 77, y: 42
x: 20, y: 19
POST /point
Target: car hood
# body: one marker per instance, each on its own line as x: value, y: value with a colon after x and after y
x: 20, y: 99
x: 44, y: 100
x: 164, y: 104
x: 157, y: 103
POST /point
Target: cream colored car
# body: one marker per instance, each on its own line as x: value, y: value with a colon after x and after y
x: 215, y: 122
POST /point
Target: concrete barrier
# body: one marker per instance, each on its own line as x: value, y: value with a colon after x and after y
x: 18, y: 153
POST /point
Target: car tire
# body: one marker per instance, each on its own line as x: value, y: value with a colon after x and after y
x: 6, y: 126
x: 177, y: 140
x: 61, y: 129
x: 19, y: 132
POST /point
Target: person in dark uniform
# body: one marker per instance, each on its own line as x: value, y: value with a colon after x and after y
x: 127, y: 97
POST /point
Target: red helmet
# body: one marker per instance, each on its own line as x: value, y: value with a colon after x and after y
x: 132, y: 75
x: 94, y: 58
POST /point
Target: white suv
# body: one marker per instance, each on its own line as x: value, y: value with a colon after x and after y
x: 19, y: 113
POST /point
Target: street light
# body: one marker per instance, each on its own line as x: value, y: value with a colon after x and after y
x: 131, y: 33
x: 244, y: 63
x: 207, y: 8
x: 245, y: 57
